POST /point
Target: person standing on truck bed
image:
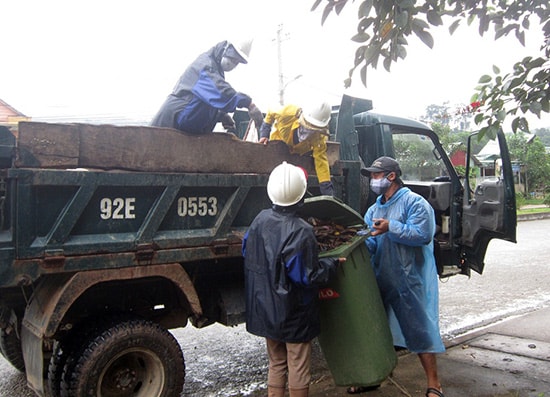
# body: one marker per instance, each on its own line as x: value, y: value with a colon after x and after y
x: 282, y: 275
x: 202, y: 97
x: 304, y: 131
x: 402, y: 225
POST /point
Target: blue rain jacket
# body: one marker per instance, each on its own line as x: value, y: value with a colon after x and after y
x: 404, y: 265
x: 282, y: 275
x: 201, y: 96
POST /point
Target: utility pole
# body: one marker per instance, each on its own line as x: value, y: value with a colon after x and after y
x: 280, y: 63
x: 282, y: 84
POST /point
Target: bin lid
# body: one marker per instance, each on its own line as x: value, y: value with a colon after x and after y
x: 330, y: 208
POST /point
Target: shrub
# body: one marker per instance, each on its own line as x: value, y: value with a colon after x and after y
x: 520, y: 200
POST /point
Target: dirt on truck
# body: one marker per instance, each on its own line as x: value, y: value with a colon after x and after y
x: 112, y: 235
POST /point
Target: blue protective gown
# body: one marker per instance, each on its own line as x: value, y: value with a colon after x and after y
x: 201, y: 96
x: 404, y: 265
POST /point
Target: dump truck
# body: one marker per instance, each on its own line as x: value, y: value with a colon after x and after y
x: 110, y: 236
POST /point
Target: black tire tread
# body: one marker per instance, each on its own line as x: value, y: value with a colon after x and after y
x: 83, y: 363
x: 10, y: 347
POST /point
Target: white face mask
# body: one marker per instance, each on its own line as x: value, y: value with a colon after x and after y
x: 228, y: 64
x: 379, y: 186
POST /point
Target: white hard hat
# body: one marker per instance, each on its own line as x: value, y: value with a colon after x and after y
x: 243, y: 48
x: 287, y: 184
x: 317, y: 114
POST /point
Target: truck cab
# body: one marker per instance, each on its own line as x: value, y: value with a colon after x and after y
x: 468, y: 216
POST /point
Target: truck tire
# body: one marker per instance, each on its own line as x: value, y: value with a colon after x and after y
x: 130, y: 358
x: 62, y: 352
x: 10, y: 346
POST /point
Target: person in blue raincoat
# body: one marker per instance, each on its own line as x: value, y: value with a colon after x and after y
x: 402, y: 225
x: 282, y: 275
x: 202, y: 97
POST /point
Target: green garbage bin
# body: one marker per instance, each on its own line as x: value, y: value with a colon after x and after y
x: 355, y: 336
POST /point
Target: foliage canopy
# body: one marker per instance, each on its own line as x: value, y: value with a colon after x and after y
x: 385, y: 25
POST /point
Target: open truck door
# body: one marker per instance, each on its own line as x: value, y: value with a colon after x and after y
x: 489, y: 210
x: 467, y: 216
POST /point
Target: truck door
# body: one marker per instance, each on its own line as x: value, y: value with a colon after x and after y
x: 489, y: 210
x: 467, y: 218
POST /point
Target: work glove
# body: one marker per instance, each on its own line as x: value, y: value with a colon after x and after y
x: 256, y: 115
x: 326, y: 188
x: 228, y: 123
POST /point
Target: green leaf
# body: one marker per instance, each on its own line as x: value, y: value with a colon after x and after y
x: 401, y: 18
x: 503, y: 31
x: 419, y: 24
x: 347, y: 82
x: 479, y: 118
x: 405, y: 3
x: 364, y: 75
x: 434, y: 18
x: 339, y: 6
x: 536, y: 63
x: 515, y: 124
x: 492, y: 130
x: 523, y: 124
x: 535, y: 107
x: 521, y: 37
x: 484, y: 79
x: 326, y: 13
x: 426, y: 38
x: 454, y: 26
x: 501, y: 115
x: 364, y: 24
x: 387, y: 63
x: 361, y: 37
x: 365, y: 8
x: 401, y: 51
x: 371, y: 53
x: 496, y: 70
x: 315, y: 5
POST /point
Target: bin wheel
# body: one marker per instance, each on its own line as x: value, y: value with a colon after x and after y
x: 10, y: 346
x: 131, y: 358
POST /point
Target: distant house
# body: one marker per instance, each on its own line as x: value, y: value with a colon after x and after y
x: 489, y: 156
x: 458, y: 157
x: 9, y: 116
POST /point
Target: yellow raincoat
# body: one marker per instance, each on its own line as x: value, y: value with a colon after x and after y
x: 285, y: 122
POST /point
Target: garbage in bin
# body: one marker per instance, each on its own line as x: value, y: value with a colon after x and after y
x: 355, y: 336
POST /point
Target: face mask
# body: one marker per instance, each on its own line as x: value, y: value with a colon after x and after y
x: 304, y: 133
x: 379, y: 186
x: 228, y: 64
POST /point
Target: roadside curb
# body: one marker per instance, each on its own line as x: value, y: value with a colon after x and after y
x: 533, y: 217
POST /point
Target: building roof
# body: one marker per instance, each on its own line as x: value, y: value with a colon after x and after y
x: 7, y: 112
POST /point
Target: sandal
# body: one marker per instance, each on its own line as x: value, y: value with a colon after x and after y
x: 361, y: 389
x: 431, y: 390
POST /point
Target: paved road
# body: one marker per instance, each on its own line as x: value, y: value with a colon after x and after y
x: 225, y: 361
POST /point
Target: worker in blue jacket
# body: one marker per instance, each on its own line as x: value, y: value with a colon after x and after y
x: 282, y: 275
x: 402, y: 225
x: 202, y: 97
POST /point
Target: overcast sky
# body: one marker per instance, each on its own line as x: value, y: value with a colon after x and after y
x: 120, y: 58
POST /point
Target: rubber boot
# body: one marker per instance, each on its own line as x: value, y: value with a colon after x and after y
x: 273, y: 391
x: 299, y: 392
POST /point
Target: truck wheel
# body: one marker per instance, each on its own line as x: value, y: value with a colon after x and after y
x: 132, y: 358
x: 10, y: 346
x: 63, y: 350
x: 60, y: 354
